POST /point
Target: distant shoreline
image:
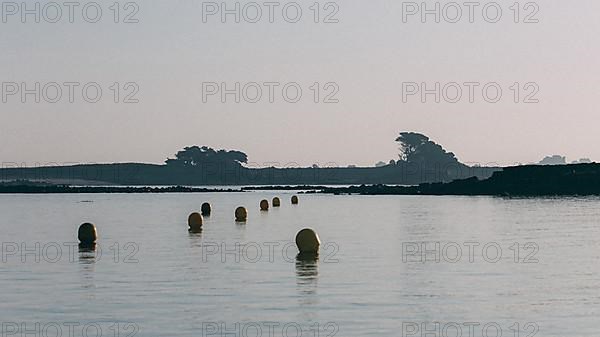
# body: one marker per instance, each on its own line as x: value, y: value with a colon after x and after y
x: 520, y: 181
x: 63, y: 189
x: 30, y: 187
x: 224, y: 174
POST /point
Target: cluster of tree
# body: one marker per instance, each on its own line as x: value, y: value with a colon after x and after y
x: 421, y: 160
x: 416, y: 148
x: 582, y: 161
x: 562, y: 160
x: 195, y: 156
x: 553, y: 160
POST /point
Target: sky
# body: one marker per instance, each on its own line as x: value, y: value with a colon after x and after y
x: 361, y: 69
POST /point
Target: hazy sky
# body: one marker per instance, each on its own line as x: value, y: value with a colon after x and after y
x: 369, y: 55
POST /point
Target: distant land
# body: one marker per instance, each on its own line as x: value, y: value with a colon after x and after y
x: 519, y: 181
x: 562, y: 160
x: 420, y: 160
x: 28, y: 187
x: 422, y: 168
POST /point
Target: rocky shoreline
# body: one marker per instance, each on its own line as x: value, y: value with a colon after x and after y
x: 519, y: 181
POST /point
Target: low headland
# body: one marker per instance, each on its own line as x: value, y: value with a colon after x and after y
x: 518, y: 181
x: 423, y: 168
x: 421, y: 160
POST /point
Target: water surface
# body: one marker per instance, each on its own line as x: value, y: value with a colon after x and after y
x: 169, y: 282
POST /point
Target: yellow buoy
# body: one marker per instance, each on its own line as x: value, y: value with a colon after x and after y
x: 87, y: 234
x: 241, y: 214
x: 206, y: 209
x: 195, y: 221
x: 308, y: 241
x: 276, y: 202
x: 264, y: 205
x: 295, y: 200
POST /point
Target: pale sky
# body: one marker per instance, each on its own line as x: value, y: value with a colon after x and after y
x: 368, y: 54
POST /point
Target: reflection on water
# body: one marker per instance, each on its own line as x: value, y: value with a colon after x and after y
x: 87, y: 254
x: 307, y: 272
x: 195, y: 238
x: 87, y: 263
x: 307, y: 275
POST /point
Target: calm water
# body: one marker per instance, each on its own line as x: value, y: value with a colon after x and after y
x: 154, y: 278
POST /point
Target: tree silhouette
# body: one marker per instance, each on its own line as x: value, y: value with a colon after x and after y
x: 195, y: 156
x: 418, y: 148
